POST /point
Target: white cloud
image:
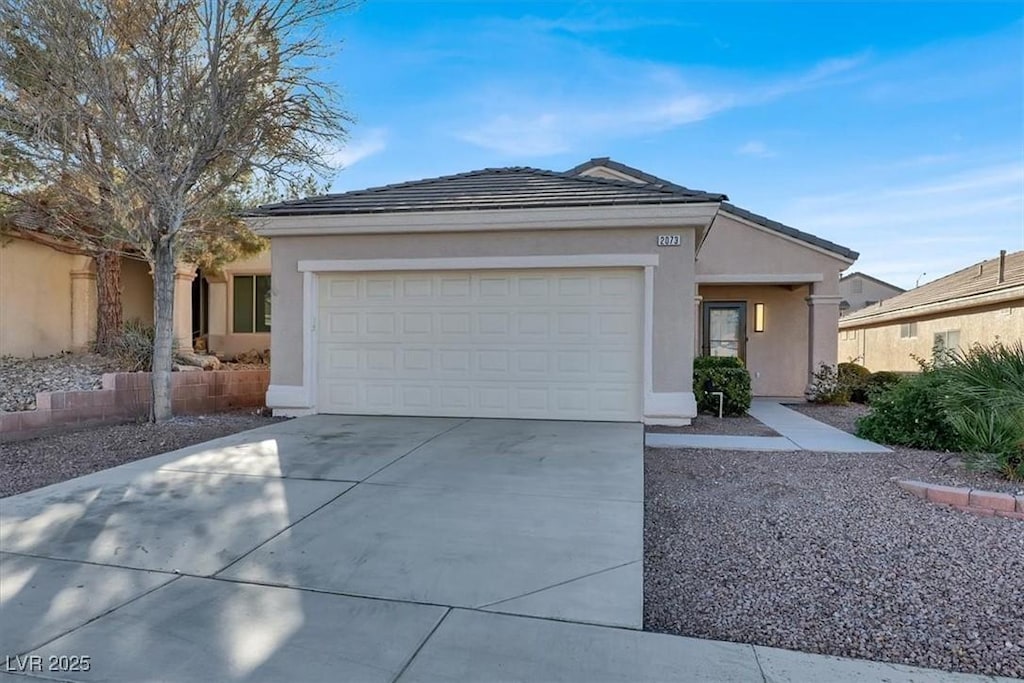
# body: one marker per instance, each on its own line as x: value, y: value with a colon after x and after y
x: 653, y: 98
x: 935, y: 224
x: 373, y: 141
x: 755, y: 148
x: 539, y: 135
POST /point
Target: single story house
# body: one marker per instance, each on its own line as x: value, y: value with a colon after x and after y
x: 860, y: 290
x: 982, y: 304
x: 526, y: 293
x: 48, y: 299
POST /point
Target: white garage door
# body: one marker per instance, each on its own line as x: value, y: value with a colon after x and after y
x: 549, y: 344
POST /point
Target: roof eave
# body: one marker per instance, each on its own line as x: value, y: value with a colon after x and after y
x: 693, y: 214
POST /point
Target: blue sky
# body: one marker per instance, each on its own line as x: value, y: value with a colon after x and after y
x: 896, y: 129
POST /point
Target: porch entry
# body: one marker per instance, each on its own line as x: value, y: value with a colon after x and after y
x: 725, y: 329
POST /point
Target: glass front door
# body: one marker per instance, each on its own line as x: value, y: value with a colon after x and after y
x: 725, y: 329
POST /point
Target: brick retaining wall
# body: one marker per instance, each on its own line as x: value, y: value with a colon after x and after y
x: 126, y: 395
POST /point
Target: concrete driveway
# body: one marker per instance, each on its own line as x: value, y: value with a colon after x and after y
x: 360, y: 549
x: 185, y: 566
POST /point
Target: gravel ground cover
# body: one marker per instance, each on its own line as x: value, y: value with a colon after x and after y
x: 946, y: 468
x: 30, y: 464
x: 823, y: 553
x: 22, y: 378
x: 840, y: 417
x: 743, y: 425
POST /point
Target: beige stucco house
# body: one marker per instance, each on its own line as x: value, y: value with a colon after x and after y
x: 859, y: 290
x: 982, y: 303
x: 518, y: 292
x: 48, y: 300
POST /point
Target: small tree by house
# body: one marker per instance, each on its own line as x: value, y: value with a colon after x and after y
x: 159, y: 109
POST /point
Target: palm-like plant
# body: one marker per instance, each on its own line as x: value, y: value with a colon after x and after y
x: 984, y: 402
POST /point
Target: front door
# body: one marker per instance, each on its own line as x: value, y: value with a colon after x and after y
x: 725, y: 329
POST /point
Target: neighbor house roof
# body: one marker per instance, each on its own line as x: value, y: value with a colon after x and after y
x: 654, y: 181
x: 490, y: 188
x: 865, y: 276
x: 975, y: 285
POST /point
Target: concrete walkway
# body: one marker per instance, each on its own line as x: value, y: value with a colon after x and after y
x: 798, y: 432
x: 361, y: 549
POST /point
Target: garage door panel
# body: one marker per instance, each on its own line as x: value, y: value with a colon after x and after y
x: 538, y: 344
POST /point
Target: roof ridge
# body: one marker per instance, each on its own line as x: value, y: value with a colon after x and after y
x: 872, y: 278
x: 994, y: 259
x: 648, y: 178
x: 664, y: 187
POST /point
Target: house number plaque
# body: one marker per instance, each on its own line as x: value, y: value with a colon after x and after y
x: 669, y: 240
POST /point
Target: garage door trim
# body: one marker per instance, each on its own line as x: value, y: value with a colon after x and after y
x: 308, y: 393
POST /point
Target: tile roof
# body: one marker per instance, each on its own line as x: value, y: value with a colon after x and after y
x: 980, y: 278
x: 655, y: 181
x: 490, y: 188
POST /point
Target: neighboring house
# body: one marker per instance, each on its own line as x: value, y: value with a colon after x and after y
x: 48, y: 297
x: 859, y: 291
x: 48, y: 300
x: 518, y: 292
x: 982, y: 304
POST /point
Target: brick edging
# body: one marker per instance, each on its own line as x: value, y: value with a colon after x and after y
x: 975, y: 501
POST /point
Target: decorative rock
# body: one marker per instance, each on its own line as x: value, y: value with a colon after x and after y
x: 252, y: 357
x: 196, y: 360
x: 22, y: 378
x: 186, y: 368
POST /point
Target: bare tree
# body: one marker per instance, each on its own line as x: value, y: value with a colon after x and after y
x: 163, y: 106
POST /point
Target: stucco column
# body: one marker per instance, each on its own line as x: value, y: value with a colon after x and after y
x: 217, y: 308
x: 822, y: 331
x: 183, y: 277
x: 83, y: 303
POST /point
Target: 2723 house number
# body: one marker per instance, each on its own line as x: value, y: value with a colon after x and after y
x: 669, y: 240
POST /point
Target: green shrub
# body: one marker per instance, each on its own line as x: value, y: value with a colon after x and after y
x: 968, y: 400
x: 910, y: 413
x: 880, y: 382
x: 134, y: 348
x: 985, y: 405
x: 703, y: 362
x: 854, y: 378
x: 725, y: 374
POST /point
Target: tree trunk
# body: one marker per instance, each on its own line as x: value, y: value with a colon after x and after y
x: 109, y: 314
x: 163, y: 321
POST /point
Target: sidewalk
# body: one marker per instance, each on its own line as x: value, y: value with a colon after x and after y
x: 798, y: 432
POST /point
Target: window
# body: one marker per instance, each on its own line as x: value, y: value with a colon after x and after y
x: 949, y: 339
x: 856, y: 286
x: 908, y: 331
x: 251, y: 303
